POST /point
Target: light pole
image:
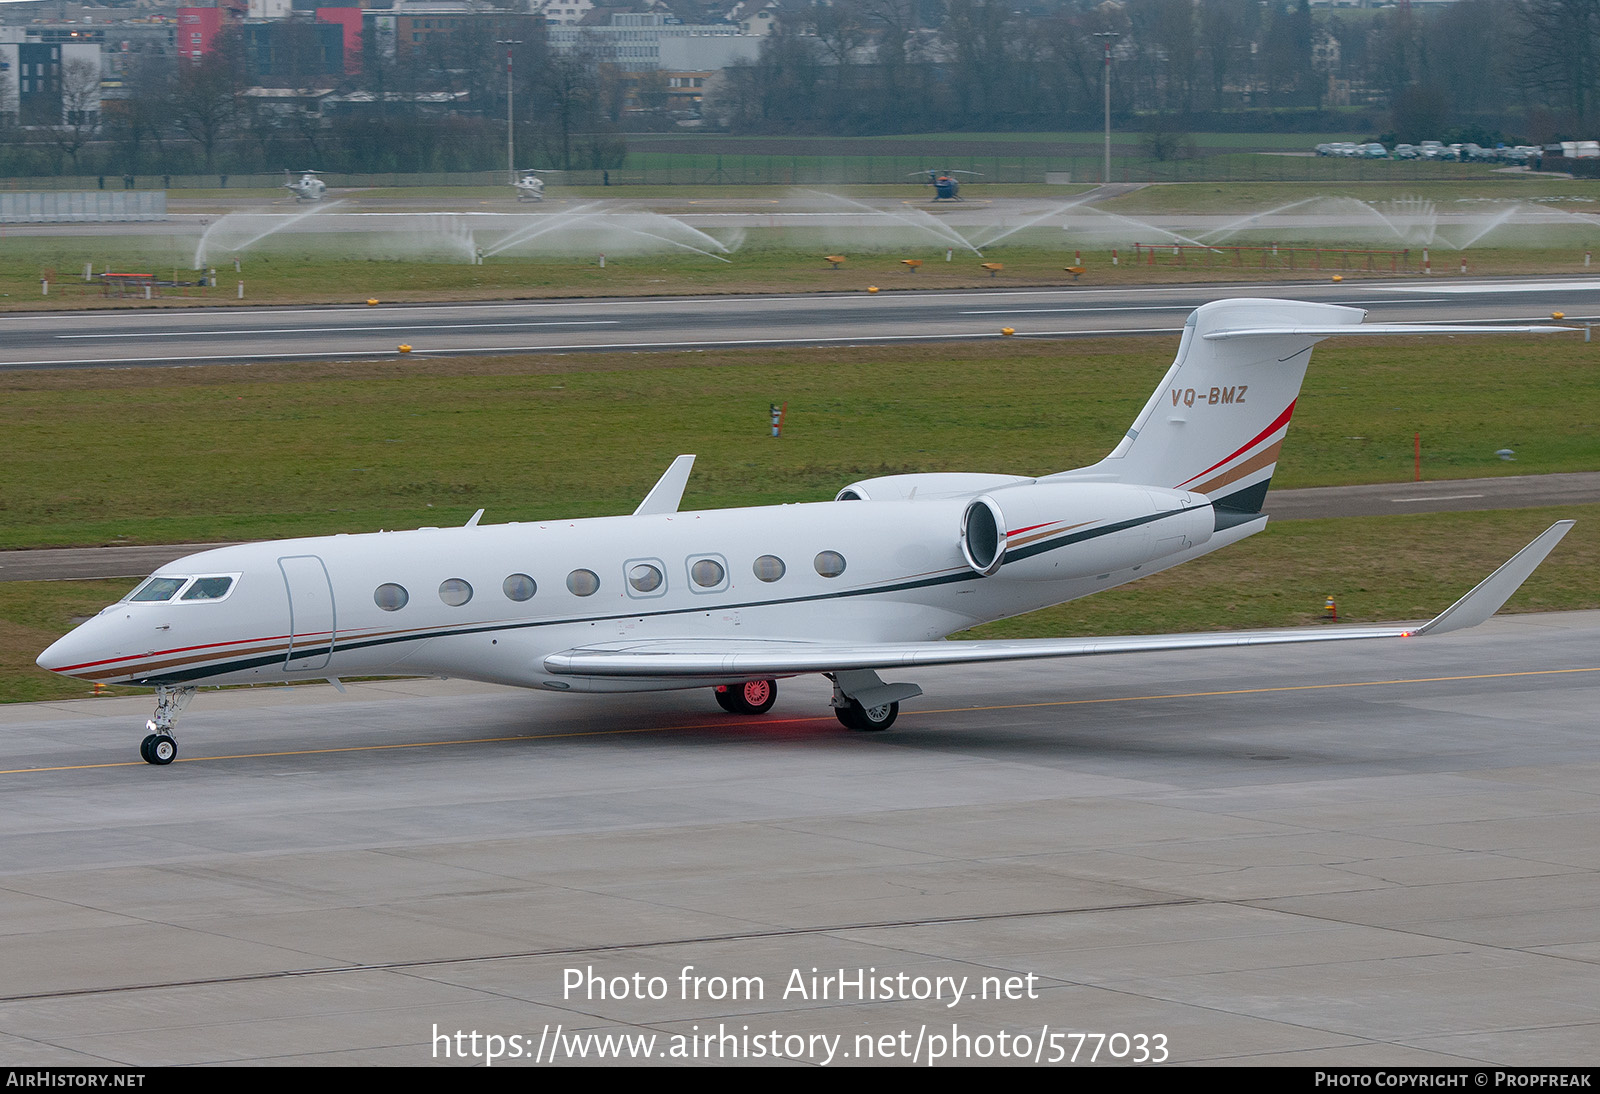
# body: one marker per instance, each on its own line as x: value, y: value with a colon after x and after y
x: 1108, y: 37
x: 511, y: 140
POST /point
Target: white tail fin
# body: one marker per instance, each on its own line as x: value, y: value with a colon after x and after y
x: 1216, y: 422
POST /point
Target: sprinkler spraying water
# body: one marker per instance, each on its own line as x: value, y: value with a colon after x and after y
x: 238, y: 222
x: 918, y: 221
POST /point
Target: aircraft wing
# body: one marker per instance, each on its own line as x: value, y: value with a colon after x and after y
x: 718, y: 659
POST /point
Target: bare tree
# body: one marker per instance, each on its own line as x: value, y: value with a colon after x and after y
x: 8, y: 104
x: 205, y: 98
x: 568, y: 98
x: 1560, y: 55
x: 1226, y: 29
x: 10, y: 133
x: 896, y: 24
x: 1285, y: 48
x: 1166, y: 52
x: 839, y: 30
x: 142, y: 117
x: 80, y: 108
x: 978, y: 35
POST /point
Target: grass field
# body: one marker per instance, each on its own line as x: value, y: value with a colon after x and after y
x: 1574, y: 194
x: 1018, y: 165
x: 285, y: 275
x: 1007, y: 158
x: 1089, y: 139
x: 220, y: 453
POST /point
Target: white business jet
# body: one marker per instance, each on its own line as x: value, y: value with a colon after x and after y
x: 734, y: 599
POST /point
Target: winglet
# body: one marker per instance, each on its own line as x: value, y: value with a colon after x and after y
x: 1488, y: 595
x: 665, y: 495
x: 472, y: 521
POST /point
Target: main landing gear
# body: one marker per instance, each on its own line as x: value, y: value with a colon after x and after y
x: 161, y: 746
x: 861, y: 700
x: 855, y: 716
x: 751, y: 697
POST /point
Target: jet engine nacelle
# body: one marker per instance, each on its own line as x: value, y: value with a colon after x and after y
x: 1051, y: 531
x: 936, y: 484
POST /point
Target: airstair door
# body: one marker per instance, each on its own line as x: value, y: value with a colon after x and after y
x: 312, y: 626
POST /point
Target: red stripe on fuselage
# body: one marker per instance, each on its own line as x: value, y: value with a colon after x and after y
x: 1277, y: 423
x: 176, y: 649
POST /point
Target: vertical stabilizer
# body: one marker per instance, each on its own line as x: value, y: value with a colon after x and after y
x: 1215, y: 424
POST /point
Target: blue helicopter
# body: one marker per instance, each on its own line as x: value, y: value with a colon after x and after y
x: 946, y: 187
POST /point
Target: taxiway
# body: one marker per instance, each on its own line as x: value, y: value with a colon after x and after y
x: 1369, y: 854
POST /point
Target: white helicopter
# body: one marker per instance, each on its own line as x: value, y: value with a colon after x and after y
x: 734, y: 599
x: 307, y: 187
x: 530, y: 187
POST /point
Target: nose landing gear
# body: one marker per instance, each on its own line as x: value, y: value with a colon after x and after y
x: 159, y: 749
x: 161, y: 746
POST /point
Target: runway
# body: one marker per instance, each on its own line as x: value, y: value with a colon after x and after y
x: 1366, y: 854
x: 217, y: 335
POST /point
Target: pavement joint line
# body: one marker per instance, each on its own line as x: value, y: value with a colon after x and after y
x: 368, y: 328
x: 562, y: 951
x: 1437, y: 497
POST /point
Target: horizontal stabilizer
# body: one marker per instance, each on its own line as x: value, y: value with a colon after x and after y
x: 1376, y: 328
x: 731, y: 659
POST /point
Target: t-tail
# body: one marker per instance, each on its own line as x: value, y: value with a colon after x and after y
x: 1218, y: 420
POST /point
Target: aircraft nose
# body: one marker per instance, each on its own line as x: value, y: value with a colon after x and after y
x: 55, y: 658
x: 66, y: 653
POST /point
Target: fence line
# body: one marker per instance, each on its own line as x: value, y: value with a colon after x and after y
x: 763, y: 169
x: 82, y: 206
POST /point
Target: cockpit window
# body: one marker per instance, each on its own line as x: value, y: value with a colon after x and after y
x: 208, y: 588
x: 157, y: 588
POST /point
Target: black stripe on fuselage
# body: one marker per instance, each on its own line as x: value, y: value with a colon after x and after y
x: 1248, y: 500
x: 1078, y: 537
x: 202, y: 672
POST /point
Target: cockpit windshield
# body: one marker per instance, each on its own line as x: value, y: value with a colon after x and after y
x: 157, y: 588
x: 163, y: 588
x: 208, y: 588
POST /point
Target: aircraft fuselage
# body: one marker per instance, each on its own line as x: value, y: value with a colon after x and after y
x: 855, y: 571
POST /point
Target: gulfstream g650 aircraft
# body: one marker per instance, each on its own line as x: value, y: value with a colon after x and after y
x: 733, y: 599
